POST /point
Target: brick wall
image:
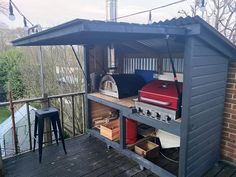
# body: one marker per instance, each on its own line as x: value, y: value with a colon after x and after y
x: 228, y: 143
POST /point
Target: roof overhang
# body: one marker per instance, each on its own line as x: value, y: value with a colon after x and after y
x: 82, y: 32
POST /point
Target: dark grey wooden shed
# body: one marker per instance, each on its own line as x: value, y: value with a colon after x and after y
x: 201, y: 53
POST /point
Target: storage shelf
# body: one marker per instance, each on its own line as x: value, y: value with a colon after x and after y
x: 130, y: 154
x: 126, y: 106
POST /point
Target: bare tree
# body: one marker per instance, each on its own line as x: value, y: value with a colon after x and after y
x: 221, y: 14
x: 3, y: 8
x: 193, y: 9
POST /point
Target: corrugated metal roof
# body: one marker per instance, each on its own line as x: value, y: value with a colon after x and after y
x: 181, y: 21
x: 187, y: 21
x: 82, y: 31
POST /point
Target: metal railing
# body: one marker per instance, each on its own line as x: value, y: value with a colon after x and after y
x: 72, y: 118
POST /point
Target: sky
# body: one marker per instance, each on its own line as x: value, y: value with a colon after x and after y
x: 50, y: 13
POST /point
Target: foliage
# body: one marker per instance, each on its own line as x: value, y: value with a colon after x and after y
x: 4, y: 114
x: 3, y: 7
x: 10, y: 74
x: 61, y: 72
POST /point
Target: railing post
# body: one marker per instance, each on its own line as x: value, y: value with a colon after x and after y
x: 73, y: 113
x: 1, y: 163
x: 13, y: 123
x: 29, y: 125
x: 83, y: 112
x: 62, y: 115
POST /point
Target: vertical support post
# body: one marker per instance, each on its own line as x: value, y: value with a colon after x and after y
x: 1, y: 163
x: 29, y: 125
x: 62, y: 116
x: 40, y: 56
x: 13, y: 122
x: 187, y: 94
x: 73, y: 113
x: 48, y: 102
x: 47, y: 127
x: 122, y: 131
x: 83, y: 112
x: 87, y: 106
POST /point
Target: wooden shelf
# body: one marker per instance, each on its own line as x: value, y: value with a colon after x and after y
x: 125, y: 104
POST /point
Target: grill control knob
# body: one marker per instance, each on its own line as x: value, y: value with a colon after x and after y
x: 148, y: 113
x: 158, y: 116
x: 168, y: 118
x: 140, y: 110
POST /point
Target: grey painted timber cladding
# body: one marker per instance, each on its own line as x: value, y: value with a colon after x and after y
x: 205, y: 78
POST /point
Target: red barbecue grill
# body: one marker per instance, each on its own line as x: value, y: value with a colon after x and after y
x: 160, y: 93
x: 160, y: 100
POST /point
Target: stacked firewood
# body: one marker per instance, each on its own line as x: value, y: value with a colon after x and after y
x: 102, y: 114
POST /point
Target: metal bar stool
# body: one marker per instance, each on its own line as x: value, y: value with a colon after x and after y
x: 53, y: 114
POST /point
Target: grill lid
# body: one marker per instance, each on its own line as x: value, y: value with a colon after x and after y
x: 161, y: 93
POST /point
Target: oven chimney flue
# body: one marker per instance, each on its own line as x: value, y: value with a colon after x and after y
x: 111, y: 59
x: 111, y: 15
x: 111, y: 10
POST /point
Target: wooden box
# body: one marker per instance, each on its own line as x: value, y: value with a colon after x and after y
x: 147, y: 149
x: 111, y: 130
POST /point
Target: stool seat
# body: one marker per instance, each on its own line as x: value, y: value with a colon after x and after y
x: 53, y: 114
x: 46, y: 112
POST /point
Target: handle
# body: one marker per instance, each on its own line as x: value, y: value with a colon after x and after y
x: 163, y: 103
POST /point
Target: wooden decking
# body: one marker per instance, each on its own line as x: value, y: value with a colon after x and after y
x: 87, y: 157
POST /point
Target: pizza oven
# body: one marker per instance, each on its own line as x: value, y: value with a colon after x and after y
x: 121, y: 85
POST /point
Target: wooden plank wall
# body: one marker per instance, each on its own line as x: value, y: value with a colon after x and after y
x: 97, y: 60
x: 203, y: 105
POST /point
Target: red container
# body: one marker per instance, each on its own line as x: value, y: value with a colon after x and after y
x: 131, y: 131
x: 160, y: 93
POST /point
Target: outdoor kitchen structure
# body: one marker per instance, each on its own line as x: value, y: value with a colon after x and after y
x: 169, y: 75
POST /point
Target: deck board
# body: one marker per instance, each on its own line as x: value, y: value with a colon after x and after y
x: 227, y: 171
x: 88, y: 157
